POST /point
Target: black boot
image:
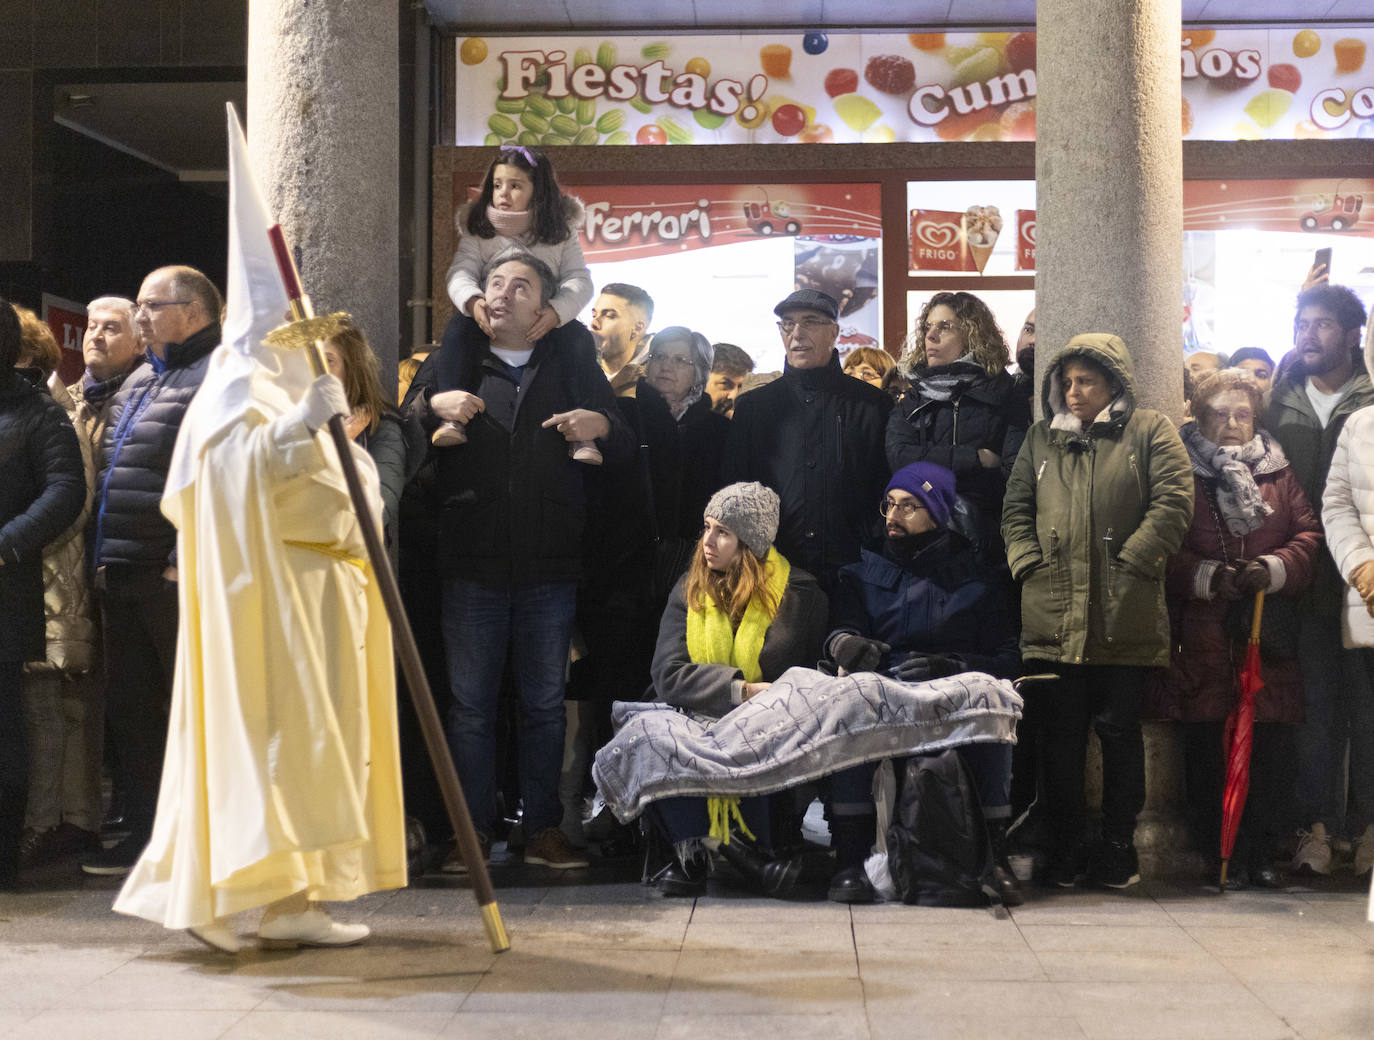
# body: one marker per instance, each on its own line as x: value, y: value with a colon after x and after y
x: 774, y: 877
x: 685, y: 875
x: 852, y: 839
x: 1008, y: 889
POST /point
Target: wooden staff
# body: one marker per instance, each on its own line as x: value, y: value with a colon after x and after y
x: 312, y: 332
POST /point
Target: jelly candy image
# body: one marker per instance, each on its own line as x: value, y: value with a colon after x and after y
x: 818, y: 133
x: 1187, y: 118
x: 890, y: 73
x: 610, y: 122
x: 1018, y: 121
x: 650, y: 133
x: 655, y: 51
x: 883, y: 134
x: 857, y: 111
x: 677, y: 134
x: 958, y: 128
x: 708, y: 120
x: 503, y: 125
x: 1285, y: 77
x: 473, y: 51
x: 1268, y: 106
x: 619, y: 137
x: 987, y: 132
x: 587, y: 135
x: 605, y: 56
x: 980, y: 65
x: 540, y: 106
x: 555, y: 139
x: 996, y: 40
x: 777, y: 101
x: 752, y: 115
x: 1198, y: 38
x: 1306, y: 44
x: 927, y: 41
x: 1246, y: 132
x: 698, y: 67
x: 1349, y: 54
x: 776, y: 60
x: 1306, y: 130
x: 567, y: 105
x: 491, y: 139
x: 841, y: 81
x: 586, y: 111
x: 1020, y: 52
x: 788, y: 120
x: 815, y: 42
x: 582, y: 57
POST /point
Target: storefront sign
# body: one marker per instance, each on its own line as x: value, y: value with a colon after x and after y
x: 1307, y: 205
x: 67, y: 319
x: 1244, y: 83
x: 1025, y: 240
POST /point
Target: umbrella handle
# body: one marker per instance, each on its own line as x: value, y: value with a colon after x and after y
x: 1259, y: 612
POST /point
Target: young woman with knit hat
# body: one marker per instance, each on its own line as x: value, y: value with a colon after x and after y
x: 741, y: 617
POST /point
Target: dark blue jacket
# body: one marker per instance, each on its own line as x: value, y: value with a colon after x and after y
x: 939, y: 601
x: 145, y: 418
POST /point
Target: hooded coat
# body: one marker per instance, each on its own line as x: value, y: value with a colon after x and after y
x: 1090, y: 519
x: 1348, y: 512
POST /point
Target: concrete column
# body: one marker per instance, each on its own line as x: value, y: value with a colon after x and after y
x: 1109, y: 253
x: 323, y: 131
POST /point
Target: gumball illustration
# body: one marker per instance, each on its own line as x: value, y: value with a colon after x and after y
x: 815, y: 42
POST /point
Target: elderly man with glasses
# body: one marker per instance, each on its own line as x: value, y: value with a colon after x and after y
x: 134, y: 545
x: 815, y: 436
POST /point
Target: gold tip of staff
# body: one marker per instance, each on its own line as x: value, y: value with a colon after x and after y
x: 496, y: 931
x: 306, y: 332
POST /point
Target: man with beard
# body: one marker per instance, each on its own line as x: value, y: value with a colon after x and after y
x: 920, y: 605
x: 1311, y: 401
x: 729, y: 366
x: 620, y: 326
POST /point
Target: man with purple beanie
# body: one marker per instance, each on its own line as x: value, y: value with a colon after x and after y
x: 920, y: 605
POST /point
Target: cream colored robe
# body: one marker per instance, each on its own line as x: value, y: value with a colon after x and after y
x: 282, y: 771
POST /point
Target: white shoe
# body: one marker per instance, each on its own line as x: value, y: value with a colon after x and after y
x: 1364, y: 852
x: 312, y: 927
x: 216, y: 935
x: 1314, y: 851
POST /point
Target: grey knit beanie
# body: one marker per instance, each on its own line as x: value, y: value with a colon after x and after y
x: 750, y: 511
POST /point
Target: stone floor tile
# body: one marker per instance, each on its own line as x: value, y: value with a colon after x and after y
x: 659, y: 926
x: 750, y: 908
x: 764, y: 982
x: 339, y: 1025
x: 973, y: 933
x: 545, y: 1024
x: 43, y: 975
x: 1003, y: 1026
x: 1280, y: 940
x: 921, y: 916
x: 1169, y: 1024
x: 1142, y: 965
x: 1106, y: 909
x: 841, y: 1025
x: 1330, y: 966
x: 1047, y: 938
x: 574, y: 982
x: 816, y: 935
x: 896, y: 997
x: 1324, y: 1009
x: 1087, y: 1000
x: 885, y: 972
x: 69, y: 1024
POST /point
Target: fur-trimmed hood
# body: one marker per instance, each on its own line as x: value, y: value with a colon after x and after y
x: 1110, y: 353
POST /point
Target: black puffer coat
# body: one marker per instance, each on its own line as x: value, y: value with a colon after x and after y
x: 145, y: 418
x: 815, y: 436
x: 984, y: 412
x: 42, y: 490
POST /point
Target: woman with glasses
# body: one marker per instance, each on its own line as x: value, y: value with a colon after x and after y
x: 962, y: 411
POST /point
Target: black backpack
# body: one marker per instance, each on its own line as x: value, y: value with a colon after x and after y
x: 938, y: 852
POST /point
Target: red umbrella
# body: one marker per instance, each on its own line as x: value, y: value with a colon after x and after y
x: 1240, y: 725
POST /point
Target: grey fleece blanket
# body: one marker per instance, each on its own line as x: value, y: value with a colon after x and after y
x: 805, y: 726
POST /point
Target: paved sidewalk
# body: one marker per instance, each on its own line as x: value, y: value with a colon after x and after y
x: 602, y: 957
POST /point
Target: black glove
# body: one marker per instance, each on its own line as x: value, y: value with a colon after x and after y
x: 1251, y: 577
x: 857, y: 654
x: 920, y: 667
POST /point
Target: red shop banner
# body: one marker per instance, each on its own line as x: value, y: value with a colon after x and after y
x: 67, y: 320
x: 1323, y: 205
x: 1025, y: 240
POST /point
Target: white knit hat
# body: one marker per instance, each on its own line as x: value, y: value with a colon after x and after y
x: 750, y: 511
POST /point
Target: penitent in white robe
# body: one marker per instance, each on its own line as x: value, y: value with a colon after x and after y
x: 282, y: 770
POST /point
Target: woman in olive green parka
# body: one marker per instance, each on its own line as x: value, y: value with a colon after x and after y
x: 1100, y: 496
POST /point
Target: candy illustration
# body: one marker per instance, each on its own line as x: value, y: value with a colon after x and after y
x: 815, y: 43
x: 1198, y: 38
x: 751, y: 116
x: 882, y: 134
x: 1268, y: 106
x: 1349, y: 54
x: 788, y: 120
x: 677, y: 133
x: 503, y: 125
x: 708, y: 120
x: 1306, y: 44
x: 605, y: 55
x: 587, y: 135
x: 980, y: 65
x: 776, y: 60
x: 698, y: 67
x: 610, y: 122
x: 655, y: 51
x: 586, y: 111
x: 857, y: 111
x: 1020, y: 52
x: 473, y: 51
x: 927, y: 41
x: 649, y: 133
x: 1187, y: 118
x: 841, y: 81
x: 1285, y: 77
x: 1018, y: 121
x: 890, y: 73
x: 818, y: 133
x: 619, y: 137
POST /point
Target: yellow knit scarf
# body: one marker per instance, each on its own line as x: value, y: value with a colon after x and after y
x: 710, y: 639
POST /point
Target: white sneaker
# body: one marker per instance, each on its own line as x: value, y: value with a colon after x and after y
x: 218, y: 936
x: 1364, y: 852
x: 1314, y: 851
x: 311, y: 927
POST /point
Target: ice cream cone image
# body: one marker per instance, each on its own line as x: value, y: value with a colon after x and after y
x: 982, y: 224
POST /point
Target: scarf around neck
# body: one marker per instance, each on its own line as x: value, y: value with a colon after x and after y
x: 710, y: 639
x: 1233, y: 469
x: 941, y: 384
x: 509, y: 222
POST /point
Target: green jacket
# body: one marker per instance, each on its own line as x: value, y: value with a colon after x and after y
x: 1089, y: 520
x: 1291, y: 418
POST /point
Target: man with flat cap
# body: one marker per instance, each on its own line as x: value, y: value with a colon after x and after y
x: 815, y: 436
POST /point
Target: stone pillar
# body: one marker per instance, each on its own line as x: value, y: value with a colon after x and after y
x: 323, y: 132
x: 1109, y: 250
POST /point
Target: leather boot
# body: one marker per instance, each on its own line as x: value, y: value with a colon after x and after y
x: 774, y: 877
x: 852, y: 839
x: 1008, y: 888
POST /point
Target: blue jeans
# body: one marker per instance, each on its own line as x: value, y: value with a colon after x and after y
x: 533, y: 622
x: 1338, y: 713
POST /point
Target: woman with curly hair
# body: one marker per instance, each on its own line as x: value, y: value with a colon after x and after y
x: 962, y: 411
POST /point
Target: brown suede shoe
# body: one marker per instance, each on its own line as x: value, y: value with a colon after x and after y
x: 550, y: 848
